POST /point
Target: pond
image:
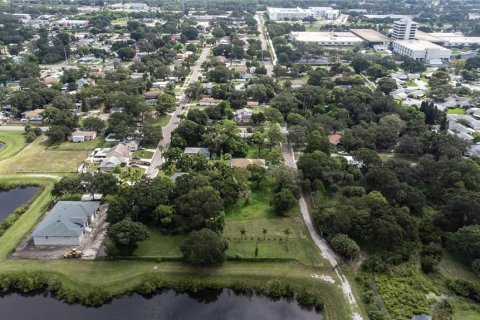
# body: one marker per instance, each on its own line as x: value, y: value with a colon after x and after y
x: 168, y: 305
x: 14, y: 198
x: 1, y: 145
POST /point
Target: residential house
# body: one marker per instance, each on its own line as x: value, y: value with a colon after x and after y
x: 334, y: 139
x: 202, y: 151
x: 207, y: 101
x: 33, y: 115
x: 120, y: 151
x: 110, y: 164
x: 243, y: 116
x: 81, y: 136
x: 66, y: 224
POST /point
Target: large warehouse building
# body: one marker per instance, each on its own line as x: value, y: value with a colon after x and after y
x: 275, y: 14
x: 448, y: 39
x: 326, y: 38
x: 422, y: 50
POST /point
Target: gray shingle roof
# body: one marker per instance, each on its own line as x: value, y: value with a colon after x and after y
x: 66, y: 219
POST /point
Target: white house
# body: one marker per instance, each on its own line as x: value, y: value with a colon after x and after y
x: 66, y: 223
x: 81, y: 136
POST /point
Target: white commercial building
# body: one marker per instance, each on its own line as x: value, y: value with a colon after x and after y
x: 326, y: 38
x: 448, y: 39
x: 404, y: 29
x: 300, y: 13
x: 422, y: 50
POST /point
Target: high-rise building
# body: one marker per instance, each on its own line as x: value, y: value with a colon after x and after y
x: 404, y: 29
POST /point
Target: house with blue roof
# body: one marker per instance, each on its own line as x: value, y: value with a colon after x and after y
x: 66, y: 223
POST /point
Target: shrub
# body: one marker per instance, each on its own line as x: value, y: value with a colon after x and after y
x: 345, y: 246
x: 476, y: 267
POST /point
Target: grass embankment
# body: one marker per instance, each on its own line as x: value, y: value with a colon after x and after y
x: 37, y: 157
x: 14, y: 142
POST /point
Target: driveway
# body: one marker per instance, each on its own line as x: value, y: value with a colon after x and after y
x: 325, y: 250
x: 157, y: 159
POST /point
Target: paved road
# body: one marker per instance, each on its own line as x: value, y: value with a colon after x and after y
x: 264, y: 41
x: 327, y: 253
x: 157, y: 159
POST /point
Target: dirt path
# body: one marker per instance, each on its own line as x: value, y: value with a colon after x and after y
x: 325, y: 250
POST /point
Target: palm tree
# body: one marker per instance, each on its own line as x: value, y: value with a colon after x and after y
x: 264, y: 232
x: 287, y: 232
x: 242, y: 232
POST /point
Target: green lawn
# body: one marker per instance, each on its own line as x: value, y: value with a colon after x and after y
x: 77, y: 146
x: 144, y: 154
x: 36, y: 157
x: 14, y: 142
x: 451, y: 267
x: 466, y: 315
x: 254, y: 154
x: 455, y: 111
x: 411, y: 83
x: 160, y: 245
x: 160, y: 121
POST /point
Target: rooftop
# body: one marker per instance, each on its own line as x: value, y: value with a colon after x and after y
x: 66, y: 219
x: 325, y: 36
x: 370, y: 35
x: 419, y: 45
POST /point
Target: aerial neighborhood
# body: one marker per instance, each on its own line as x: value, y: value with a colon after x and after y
x: 325, y: 155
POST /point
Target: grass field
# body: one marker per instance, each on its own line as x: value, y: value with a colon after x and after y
x: 14, y: 142
x: 144, y: 154
x: 77, y: 146
x: 455, y: 111
x: 36, y: 157
x: 160, y: 121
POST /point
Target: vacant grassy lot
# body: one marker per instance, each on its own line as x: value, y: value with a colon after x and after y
x: 13, y: 141
x: 36, y: 157
x: 253, y: 217
x: 144, y: 154
x: 77, y: 146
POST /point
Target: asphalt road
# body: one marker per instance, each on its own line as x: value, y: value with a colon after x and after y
x: 264, y: 42
x: 157, y: 159
x: 325, y: 250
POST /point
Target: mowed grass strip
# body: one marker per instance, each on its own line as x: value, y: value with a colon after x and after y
x: 37, y: 158
x: 14, y: 142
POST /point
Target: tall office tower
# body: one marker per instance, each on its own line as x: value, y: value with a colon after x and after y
x: 404, y: 29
